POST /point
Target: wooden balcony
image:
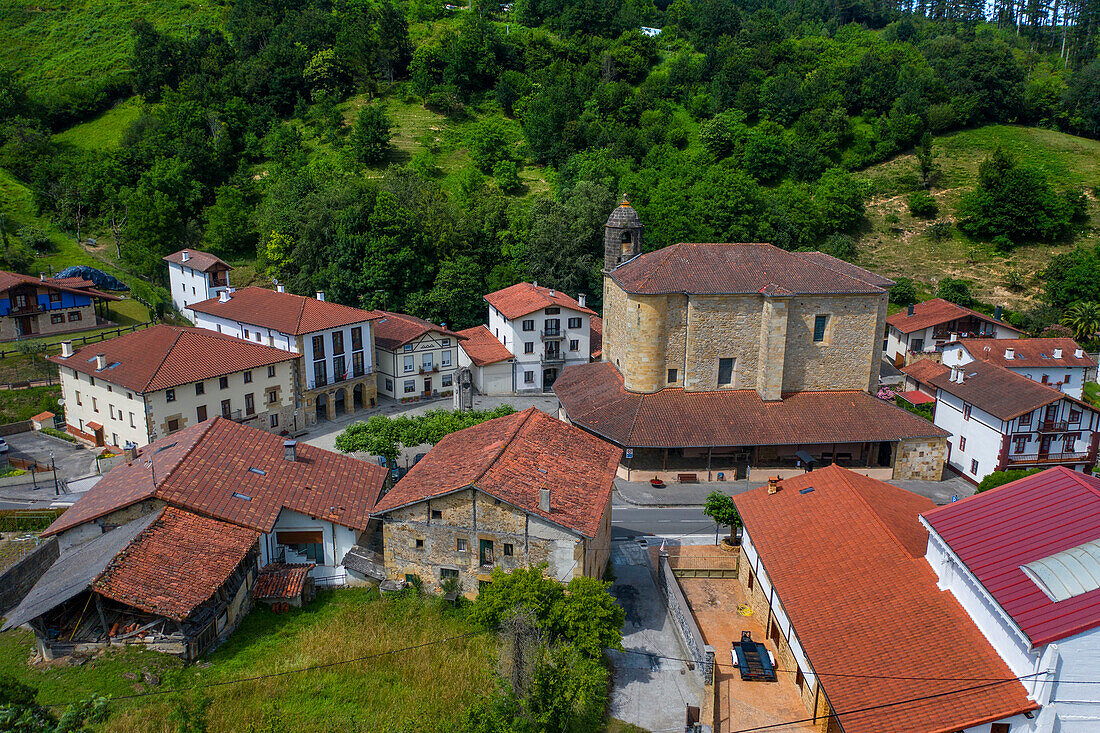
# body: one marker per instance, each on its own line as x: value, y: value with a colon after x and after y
x: 1040, y: 459
x: 1053, y: 426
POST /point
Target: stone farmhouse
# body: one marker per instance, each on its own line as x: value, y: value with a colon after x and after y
x: 195, y: 276
x: 32, y: 306
x: 1022, y: 561
x: 416, y: 358
x: 920, y: 330
x: 337, y: 371
x: 806, y: 536
x: 1059, y: 362
x: 721, y: 357
x: 155, y: 382
x: 515, y: 491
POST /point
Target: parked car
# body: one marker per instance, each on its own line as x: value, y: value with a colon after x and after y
x: 3, y: 447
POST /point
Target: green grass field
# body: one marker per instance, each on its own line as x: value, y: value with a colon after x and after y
x: 897, y: 244
x: 424, y: 689
x: 23, y: 404
x: 104, y: 132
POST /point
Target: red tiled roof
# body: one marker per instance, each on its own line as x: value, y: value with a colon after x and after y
x: 281, y: 580
x: 999, y: 391
x: 11, y: 279
x: 934, y: 312
x: 160, y: 357
x: 916, y: 397
x: 205, y: 468
x: 77, y: 282
x: 394, y: 330
x: 1038, y: 352
x: 42, y: 416
x: 176, y: 564
x: 997, y: 531
x: 846, y: 268
x: 511, y: 458
x: 924, y: 370
x: 482, y: 347
x: 595, y: 337
x: 723, y: 269
x: 523, y: 298
x: 594, y: 398
x: 201, y: 261
x: 865, y: 599
x: 283, y: 312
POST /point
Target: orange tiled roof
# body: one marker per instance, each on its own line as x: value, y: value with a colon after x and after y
x: 1037, y: 352
x: 281, y: 580
x: 520, y: 299
x: 924, y: 370
x: 595, y: 337
x: 511, y: 458
x: 163, y: 356
x: 934, y: 312
x: 865, y: 600
x: 482, y: 347
x: 201, y: 261
x: 11, y: 279
x: 238, y: 474
x: 393, y: 330
x: 176, y: 564
x: 283, y: 312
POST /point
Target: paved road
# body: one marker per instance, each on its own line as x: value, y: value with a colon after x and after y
x: 72, y: 460
x: 628, y: 522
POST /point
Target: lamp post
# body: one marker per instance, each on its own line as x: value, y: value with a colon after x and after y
x: 56, y: 486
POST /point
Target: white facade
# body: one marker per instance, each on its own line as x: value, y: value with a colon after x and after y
x: 544, y: 342
x: 292, y: 527
x: 190, y: 285
x: 1057, y: 434
x: 898, y: 345
x: 1068, y: 379
x: 495, y: 378
x: 424, y: 367
x: 1066, y: 707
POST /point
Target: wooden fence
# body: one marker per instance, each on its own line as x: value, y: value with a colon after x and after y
x: 79, y: 341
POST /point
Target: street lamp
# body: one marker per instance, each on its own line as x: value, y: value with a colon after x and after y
x: 56, y: 486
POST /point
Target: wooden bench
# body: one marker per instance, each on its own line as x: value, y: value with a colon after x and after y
x: 687, y: 478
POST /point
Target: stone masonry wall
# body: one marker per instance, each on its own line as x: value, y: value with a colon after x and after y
x: 722, y: 327
x: 920, y: 458
x: 848, y: 356
x: 676, y: 312
x: 17, y: 581
x: 773, y: 349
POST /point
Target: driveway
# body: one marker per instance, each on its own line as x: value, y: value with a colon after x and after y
x: 72, y: 460
x: 652, y: 687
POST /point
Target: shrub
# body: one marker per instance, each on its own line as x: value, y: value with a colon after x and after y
x: 841, y: 246
x: 939, y: 230
x: 1000, y: 478
x: 58, y: 434
x: 923, y: 205
x: 903, y: 292
x: 955, y: 290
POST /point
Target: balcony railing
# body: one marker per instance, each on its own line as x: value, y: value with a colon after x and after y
x: 429, y: 370
x: 240, y: 415
x: 1053, y: 426
x: 318, y: 383
x: 555, y: 334
x: 1023, y: 459
x: 553, y: 357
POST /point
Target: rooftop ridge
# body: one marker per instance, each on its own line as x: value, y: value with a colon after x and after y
x: 167, y: 352
x: 503, y: 446
x: 851, y: 484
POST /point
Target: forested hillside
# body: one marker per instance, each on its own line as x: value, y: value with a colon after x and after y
x: 405, y: 155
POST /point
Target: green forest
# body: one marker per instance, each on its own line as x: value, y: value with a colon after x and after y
x: 413, y: 155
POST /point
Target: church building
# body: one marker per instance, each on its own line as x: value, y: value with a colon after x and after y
x: 720, y: 358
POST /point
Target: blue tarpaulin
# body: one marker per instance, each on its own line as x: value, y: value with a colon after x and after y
x: 102, y: 280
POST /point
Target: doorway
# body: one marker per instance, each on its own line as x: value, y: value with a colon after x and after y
x: 322, y: 407
x: 549, y: 376
x: 427, y: 386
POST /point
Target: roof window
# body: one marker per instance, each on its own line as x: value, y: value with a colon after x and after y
x: 243, y: 497
x: 257, y: 471
x: 1067, y: 574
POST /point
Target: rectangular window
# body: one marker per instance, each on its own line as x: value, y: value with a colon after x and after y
x: 114, y: 439
x: 1019, y: 444
x: 974, y: 467
x: 419, y: 543
x: 223, y: 382
x: 249, y: 404
x: 966, y: 412
x: 999, y: 728
x: 132, y: 420
x: 528, y: 377
x: 444, y: 342
x: 357, y: 338
x: 574, y: 323
x: 57, y: 318
x: 552, y: 326
x: 226, y: 411
x: 962, y: 442
x: 78, y: 398
x: 574, y: 344
x: 820, y: 321
x: 318, y: 346
x: 426, y: 362
x: 918, y: 345
x: 460, y: 545
x: 447, y: 574
x: 437, y: 514
x: 445, y: 358
x: 408, y: 347
x: 200, y: 388
x: 358, y: 368
x: 320, y: 373
x: 528, y: 347
x: 409, y: 364
x: 1068, y: 379
x: 725, y: 372
x: 1025, y: 420
x: 74, y: 316
x: 20, y: 301
x: 508, y: 549
x: 246, y: 336
x: 95, y: 405
x: 1074, y: 416
x: 55, y: 297
x: 248, y: 377
x: 200, y: 412
x: 389, y: 384
x: 1068, y: 442
x: 274, y: 421
x: 337, y: 342
x: 91, y: 381
x: 339, y: 370
x: 447, y: 380
x: 529, y: 324
x: 170, y: 395
x: 409, y: 386
x: 272, y: 396
x: 111, y: 409
x: 270, y: 371
x: 552, y: 311
x: 173, y: 426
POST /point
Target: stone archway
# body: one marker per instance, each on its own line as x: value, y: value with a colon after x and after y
x: 357, y: 397
x: 322, y: 406
x: 339, y: 401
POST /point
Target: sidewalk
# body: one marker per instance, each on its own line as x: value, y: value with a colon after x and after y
x: 641, y: 493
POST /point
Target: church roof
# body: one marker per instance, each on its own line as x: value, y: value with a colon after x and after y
x: 624, y: 215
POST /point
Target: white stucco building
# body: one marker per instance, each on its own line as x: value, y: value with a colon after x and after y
x: 195, y: 276
x: 923, y: 327
x: 545, y: 329
x: 999, y: 420
x: 337, y: 371
x: 417, y: 359
x: 1022, y: 561
x: 492, y: 366
x: 1058, y: 362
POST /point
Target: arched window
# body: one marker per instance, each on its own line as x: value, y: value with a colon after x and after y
x: 628, y: 244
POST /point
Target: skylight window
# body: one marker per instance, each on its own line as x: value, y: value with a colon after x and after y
x: 165, y: 447
x: 257, y: 471
x: 243, y: 497
x: 1067, y: 574
x: 806, y: 490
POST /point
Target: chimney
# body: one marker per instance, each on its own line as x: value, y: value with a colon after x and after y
x: 129, y: 451
x: 1010, y: 353
x: 290, y: 450
x: 997, y: 312
x: 581, y: 299
x: 66, y: 349
x: 544, y: 500
x: 909, y: 312
x: 223, y: 296
x: 551, y: 292
x: 42, y: 276
x: 1057, y: 353
x: 280, y: 288
x: 535, y: 283
x: 954, y: 337
x: 1078, y: 353
x: 443, y: 326
x: 100, y: 362
x: 773, y: 484
x: 185, y: 255
x: 962, y: 375
x: 321, y: 295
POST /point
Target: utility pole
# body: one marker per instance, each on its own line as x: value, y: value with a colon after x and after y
x: 56, y: 486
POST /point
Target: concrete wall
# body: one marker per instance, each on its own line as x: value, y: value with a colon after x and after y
x: 983, y: 433
x: 92, y: 399
x: 511, y: 334
x: 188, y: 286
x: 17, y: 581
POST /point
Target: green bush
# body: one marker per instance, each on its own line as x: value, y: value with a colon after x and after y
x: 22, y: 520
x: 1000, y: 478
x: 923, y: 205
x: 903, y: 292
x: 58, y: 434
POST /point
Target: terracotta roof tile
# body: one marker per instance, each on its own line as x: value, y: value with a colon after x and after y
x: 594, y: 398
x: 283, y: 312
x: 393, y: 330
x: 201, y: 261
x: 11, y: 279
x: 176, y: 564
x: 595, y: 337
x: 482, y: 347
x: 935, y: 312
x: 512, y: 458
x: 163, y: 356
x: 865, y: 599
x: 208, y: 468
x: 924, y: 370
x: 1038, y: 352
x: 522, y: 298
x: 710, y: 269
x: 281, y: 580
x: 999, y: 391
x: 997, y: 531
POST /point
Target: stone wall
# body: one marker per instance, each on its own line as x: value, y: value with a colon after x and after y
x: 680, y: 612
x: 920, y: 458
x: 848, y: 357
x: 722, y: 327
x: 18, y: 580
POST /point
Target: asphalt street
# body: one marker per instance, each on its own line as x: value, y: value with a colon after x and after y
x: 674, y: 522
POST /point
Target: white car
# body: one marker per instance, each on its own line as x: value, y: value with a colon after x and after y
x: 3, y: 447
